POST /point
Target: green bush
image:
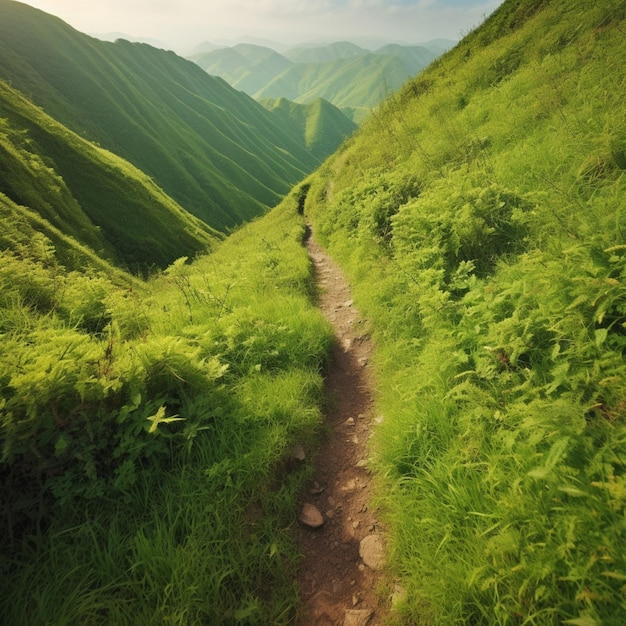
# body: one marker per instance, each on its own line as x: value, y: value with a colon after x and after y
x: 144, y: 431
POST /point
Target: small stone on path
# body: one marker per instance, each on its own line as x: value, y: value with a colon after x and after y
x: 316, y: 489
x: 398, y: 596
x: 310, y: 516
x: 357, y: 617
x: 372, y: 551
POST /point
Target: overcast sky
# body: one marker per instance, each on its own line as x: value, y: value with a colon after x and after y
x: 184, y: 23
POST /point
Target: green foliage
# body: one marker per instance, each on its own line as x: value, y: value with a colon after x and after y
x: 146, y: 429
x: 352, y: 78
x: 322, y: 125
x: 480, y: 216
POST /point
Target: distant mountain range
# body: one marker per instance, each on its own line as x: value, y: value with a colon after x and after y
x: 349, y: 76
x: 132, y: 133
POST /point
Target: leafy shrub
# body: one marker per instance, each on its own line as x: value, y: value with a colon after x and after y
x: 470, y: 229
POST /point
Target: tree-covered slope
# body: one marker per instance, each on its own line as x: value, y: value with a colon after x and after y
x: 480, y: 214
x: 89, y: 194
x: 217, y: 152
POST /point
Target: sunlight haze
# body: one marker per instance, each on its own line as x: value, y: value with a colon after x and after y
x: 184, y: 23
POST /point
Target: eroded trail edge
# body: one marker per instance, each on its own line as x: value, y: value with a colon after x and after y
x: 341, y: 574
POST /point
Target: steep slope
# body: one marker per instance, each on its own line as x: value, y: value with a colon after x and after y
x: 145, y: 427
x: 89, y: 194
x: 480, y: 215
x: 218, y: 153
x: 321, y: 125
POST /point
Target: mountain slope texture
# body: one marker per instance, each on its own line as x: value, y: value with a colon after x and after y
x: 214, y: 150
x: 89, y: 194
x: 312, y: 122
x: 480, y: 214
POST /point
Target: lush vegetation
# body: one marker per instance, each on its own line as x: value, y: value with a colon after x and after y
x: 352, y: 78
x: 480, y: 214
x: 312, y: 122
x: 214, y: 150
x: 146, y: 425
x: 146, y: 429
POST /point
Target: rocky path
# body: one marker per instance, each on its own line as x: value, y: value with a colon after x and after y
x: 341, y: 575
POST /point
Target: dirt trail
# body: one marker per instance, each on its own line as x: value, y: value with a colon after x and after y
x: 337, y: 586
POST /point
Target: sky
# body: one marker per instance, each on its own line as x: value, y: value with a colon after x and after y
x: 181, y: 24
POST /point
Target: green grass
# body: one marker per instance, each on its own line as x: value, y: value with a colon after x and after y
x: 146, y: 430
x: 89, y: 194
x: 484, y: 202
x: 146, y: 426
x: 352, y: 78
x: 322, y: 126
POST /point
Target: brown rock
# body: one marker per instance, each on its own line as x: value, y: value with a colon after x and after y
x: 298, y: 453
x: 372, y: 551
x: 310, y: 516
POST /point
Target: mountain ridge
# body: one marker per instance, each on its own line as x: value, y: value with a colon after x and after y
x: 352, y: 78
x: 216, y: 151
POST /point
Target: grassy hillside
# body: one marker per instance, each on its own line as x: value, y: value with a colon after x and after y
x: 480, y: 214
x: 146, y: 426
x: 350, y: 77
x: 214, y: 150
x: 146, y: 429
x: 319, y: 123
x: 89, y: 194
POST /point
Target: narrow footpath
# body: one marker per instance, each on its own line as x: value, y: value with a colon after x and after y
x: 341, y: 577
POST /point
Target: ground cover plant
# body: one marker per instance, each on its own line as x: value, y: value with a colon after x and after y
x: 479, y: 214
x: 146, y: 430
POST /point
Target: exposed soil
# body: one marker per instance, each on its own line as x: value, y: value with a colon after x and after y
x: 337, y: 587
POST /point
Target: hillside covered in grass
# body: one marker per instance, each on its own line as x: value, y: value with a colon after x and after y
x: 146, y: 429
x: 61, y: 183
x: 311, y: 122
x: 480, y: 214
x: 214, y: 150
